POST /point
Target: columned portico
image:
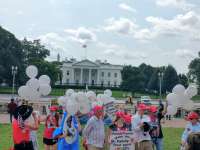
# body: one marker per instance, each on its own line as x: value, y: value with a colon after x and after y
x: 91, y: 73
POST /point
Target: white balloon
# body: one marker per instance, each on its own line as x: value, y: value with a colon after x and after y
x: 81, y: 97
x: 62, y: 101
x: 191, y: 91
x: 179, y: 89
x: 34, y: 95
x: 91, y: 95
x: 84, y: 108
x: 72, y: 107
x: 69, y: 92
x: 108, y: 92
x: 45, y: 89
x: 33, y: 83
x: 189, y: 105
x: 31, y: 71
x: 171, y: 110
x: 44, y: 79
x: 24, y: 92
x: 172, y: 99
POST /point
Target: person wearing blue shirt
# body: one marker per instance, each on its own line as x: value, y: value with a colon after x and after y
x: 192, y: 127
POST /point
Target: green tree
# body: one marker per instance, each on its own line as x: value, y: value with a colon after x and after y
x: 11, y: 54
x: 153, y: 84
x: 147, y: 72
x: 34, y: 51
x: 132, y: 79
x: 194, y: 71
x: 49, y: 68
x: 170, y: 78
x: 183, y: 79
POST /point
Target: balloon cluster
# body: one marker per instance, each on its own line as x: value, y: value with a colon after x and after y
x: 83, y: 101
x: 181, y: 97
x: 34, y: 87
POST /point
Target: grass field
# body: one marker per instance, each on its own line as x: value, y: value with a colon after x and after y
x: 171, y: 137
x: 116, y: 94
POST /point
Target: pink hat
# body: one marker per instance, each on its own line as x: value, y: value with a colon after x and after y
x: 53, y: 108
x: 153, y: 109
x: 192, y: 115
x: 142, y: 107
x: 97, y: 108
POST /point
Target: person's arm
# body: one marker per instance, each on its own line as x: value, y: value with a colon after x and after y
x: 136, y: 125
x: 165, y: 109
x: 88, y: 128
x: 185, y: 135
x: 34, y: 126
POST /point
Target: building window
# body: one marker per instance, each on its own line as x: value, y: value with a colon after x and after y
x: 115, y: 84
x: 102, y: 74
x: 108, y: 83
x: 102, y: 83
x: 92, y: 82
x: 67, y: 72
x: 108, y: 74
x: 115, y: 75
x: 77, y: 82
x: 67, y: 81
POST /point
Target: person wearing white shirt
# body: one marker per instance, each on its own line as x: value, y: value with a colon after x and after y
x: 94, y: 132
x: 192, y: 127
x: 140, y: 127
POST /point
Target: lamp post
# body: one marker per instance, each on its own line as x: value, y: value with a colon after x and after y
x: 14, y: 72
x: 160, y: 75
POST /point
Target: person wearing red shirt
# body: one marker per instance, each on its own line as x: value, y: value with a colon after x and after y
x: 22, y: 127
x: 51, y: 123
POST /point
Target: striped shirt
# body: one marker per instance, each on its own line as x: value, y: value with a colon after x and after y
x: 94, y: 132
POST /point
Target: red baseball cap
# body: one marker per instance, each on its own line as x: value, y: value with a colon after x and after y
x: 142, y: 107
x: 53, y: 108
x: 153, y: 109
x: 192, y: 115
x: 119, y: 114
x: 97, y: 108
x: 127, y: 118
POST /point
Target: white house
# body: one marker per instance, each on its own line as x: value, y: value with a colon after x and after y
x: 91, y: 73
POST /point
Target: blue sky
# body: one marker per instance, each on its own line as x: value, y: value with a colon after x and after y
x: 157, y: 32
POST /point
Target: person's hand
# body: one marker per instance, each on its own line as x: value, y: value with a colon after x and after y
x: 183, y: 143
x: 34, y: 115
x: 141, y: 125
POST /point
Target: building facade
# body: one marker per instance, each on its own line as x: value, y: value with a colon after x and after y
x: 91, y: 73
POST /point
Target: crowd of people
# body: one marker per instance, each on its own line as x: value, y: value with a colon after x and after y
x: 62, y: 131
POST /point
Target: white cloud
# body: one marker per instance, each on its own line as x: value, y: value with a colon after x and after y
x: 20, y: 12
x: 81, y: 35
x: 55, y: 43
x: 108, y: 45
x: 185, y: 53
x: 123, y: 26
x: 126, y: 7
x: 182, y: 4
x: 186, y: 25
x: 128, y: 55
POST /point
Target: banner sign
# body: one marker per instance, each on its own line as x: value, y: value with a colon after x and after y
x: 122, y: 140
x: 110, y: 109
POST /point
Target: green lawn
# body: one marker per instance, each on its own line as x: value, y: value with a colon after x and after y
x: 171, y: 140
x: 116, y: 93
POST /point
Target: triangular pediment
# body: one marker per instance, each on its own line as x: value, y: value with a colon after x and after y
x: 86, y: 62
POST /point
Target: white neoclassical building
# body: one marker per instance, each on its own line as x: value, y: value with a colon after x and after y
x: 91, y: 73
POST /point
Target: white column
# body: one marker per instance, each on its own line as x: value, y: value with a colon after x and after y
x: 81, y: 81
x: 72, y: 76
x: 98, y: 77
x: 90, y: 82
